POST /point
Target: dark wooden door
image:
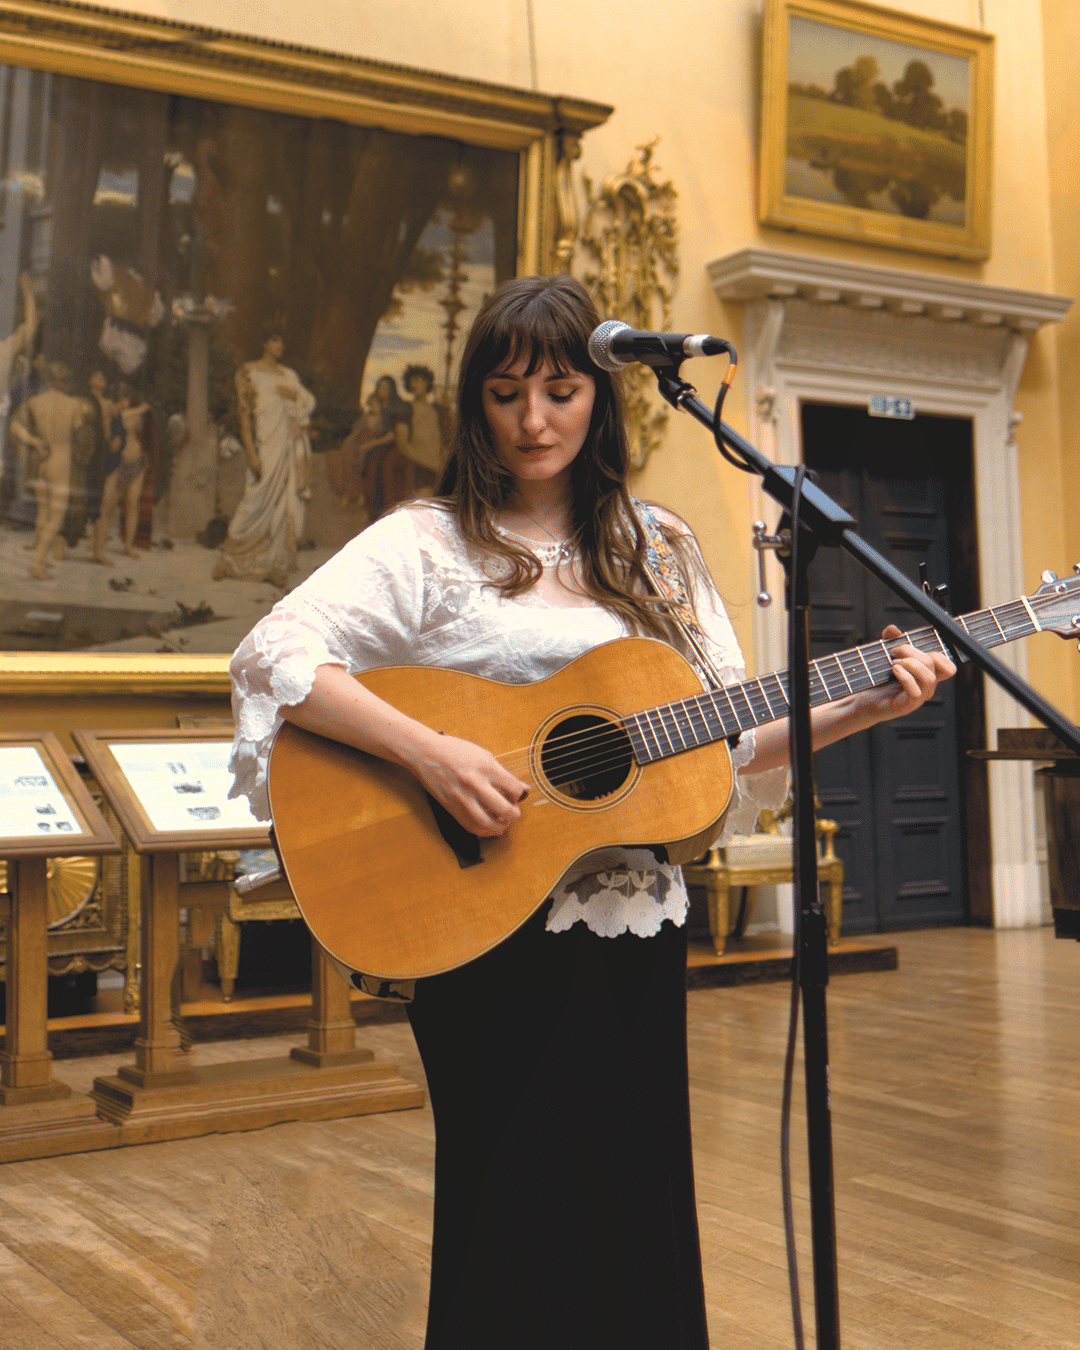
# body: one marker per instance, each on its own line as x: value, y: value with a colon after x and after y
x: 898, y: 790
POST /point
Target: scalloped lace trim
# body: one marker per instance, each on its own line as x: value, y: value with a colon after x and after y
x: 623, y: 891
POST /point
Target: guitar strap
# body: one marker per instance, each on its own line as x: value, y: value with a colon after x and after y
x: 668, y: 582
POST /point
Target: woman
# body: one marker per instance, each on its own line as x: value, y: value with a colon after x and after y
x: 556, y: 1063
x: 274, y: 413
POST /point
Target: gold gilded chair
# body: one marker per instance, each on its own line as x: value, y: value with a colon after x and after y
x: 221, y: 912
x: 763, y: 859
x: 272, y: 902
x: 222, y: 921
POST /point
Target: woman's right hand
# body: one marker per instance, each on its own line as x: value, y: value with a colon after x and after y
x: 478, y: 791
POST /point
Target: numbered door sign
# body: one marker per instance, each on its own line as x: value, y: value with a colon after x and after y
x: 884, y: 405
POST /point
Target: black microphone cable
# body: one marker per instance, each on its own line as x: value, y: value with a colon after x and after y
x: 725, y: 384
x: 793, y: 1012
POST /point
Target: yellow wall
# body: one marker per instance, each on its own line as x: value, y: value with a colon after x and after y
x: 1061, y: 42
x: 694, y: 80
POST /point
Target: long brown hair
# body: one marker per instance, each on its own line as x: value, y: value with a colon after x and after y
x: 550, y: 319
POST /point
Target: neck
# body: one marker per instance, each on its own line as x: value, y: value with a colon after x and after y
x: 546, y: 503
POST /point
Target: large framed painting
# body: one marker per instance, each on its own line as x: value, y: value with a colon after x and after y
x: 235, y: 280
x: 876, y: 126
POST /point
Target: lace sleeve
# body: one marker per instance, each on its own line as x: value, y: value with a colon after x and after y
x: 359, y: 610
x: 752, y: 792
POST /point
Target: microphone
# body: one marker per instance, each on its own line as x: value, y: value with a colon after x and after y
x: 614, y: 345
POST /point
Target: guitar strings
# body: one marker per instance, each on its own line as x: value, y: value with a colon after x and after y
x: 875, y: 660
x: 576, y: 752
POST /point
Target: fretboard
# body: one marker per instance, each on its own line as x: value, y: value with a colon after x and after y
x: 720, y: 714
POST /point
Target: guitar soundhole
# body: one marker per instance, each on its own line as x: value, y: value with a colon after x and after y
x: 587, y: 757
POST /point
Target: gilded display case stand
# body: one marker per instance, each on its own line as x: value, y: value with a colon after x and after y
x: 162, y: 1095
x: 46, y: 813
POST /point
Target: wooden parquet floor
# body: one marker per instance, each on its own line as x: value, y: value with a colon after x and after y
x: 956, y: 1116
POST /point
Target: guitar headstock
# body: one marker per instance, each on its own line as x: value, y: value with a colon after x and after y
x: 1057, y: 604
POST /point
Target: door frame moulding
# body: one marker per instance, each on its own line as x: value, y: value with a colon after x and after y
x: 828, y: 330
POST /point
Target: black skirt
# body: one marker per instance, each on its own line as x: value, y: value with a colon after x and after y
x: 564, y: 1185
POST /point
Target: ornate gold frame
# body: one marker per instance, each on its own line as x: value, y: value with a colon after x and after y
x: 970, y: 241
x: 148, y: 53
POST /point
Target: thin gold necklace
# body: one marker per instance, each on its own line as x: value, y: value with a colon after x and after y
x: 556, y: 553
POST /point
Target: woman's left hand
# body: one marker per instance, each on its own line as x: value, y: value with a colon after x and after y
x: 917, y: 673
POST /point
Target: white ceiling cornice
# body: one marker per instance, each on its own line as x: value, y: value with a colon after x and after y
x: 758, y: 273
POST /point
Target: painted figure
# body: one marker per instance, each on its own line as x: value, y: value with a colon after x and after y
x: 274, y: 412
x: 13, y: 351
x: 44, y: 426
x: 423, y: 444
x: 125, y: 473
x: 387, y: 472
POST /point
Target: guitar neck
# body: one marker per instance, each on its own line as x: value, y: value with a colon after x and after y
x: 724, y: 713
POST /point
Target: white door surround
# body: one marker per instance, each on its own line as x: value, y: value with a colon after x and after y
x: 833, y: 331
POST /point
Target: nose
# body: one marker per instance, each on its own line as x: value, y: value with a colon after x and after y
x: 533, y: 417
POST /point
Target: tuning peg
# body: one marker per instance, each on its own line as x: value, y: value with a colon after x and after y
x: 1076, y: 568
x: 1049, y: 577
x: 939, y: 594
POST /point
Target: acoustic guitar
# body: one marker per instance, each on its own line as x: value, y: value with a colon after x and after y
x: 621, y: 747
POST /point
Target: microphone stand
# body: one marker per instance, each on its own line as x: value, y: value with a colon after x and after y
x: 818, y: 520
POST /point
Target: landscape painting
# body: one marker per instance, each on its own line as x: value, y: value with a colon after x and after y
x: 875, y: 123
x: 228, y: 341
x: 873, y: 132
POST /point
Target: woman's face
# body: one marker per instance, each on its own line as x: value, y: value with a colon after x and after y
x: 538, y: 422
x: 384, y: 389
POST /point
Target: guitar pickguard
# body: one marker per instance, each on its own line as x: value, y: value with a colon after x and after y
x: 466, y: 846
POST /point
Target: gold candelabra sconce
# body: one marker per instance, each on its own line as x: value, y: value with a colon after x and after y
x: 630, y: 238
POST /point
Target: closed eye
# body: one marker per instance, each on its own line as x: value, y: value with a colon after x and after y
x: 501, y: 398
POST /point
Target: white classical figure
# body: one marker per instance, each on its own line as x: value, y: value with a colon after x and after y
x: 275, y: 411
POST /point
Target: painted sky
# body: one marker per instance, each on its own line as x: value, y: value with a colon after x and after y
x: 816, y: 51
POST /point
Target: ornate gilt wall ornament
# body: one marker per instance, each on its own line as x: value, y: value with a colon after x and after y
x: 630, y: 238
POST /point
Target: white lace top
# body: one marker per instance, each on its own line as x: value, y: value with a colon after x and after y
x: 410, y: 591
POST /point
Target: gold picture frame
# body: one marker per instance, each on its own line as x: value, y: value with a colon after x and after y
x: 876, y: 127
x: 70, y: 40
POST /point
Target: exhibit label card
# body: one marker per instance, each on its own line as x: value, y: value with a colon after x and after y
x: 31, y: 803
x: 184, y: 785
